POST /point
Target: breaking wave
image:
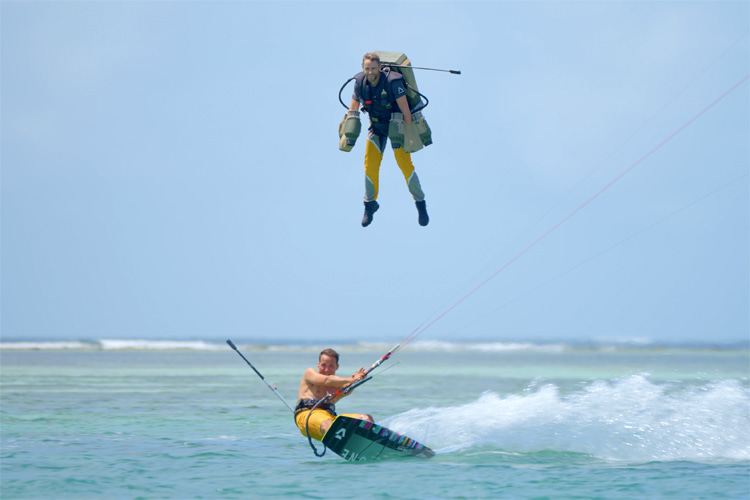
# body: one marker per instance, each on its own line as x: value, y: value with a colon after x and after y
x: 630, y: 419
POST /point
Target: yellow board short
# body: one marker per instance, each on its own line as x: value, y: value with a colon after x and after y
x: 316, y: 419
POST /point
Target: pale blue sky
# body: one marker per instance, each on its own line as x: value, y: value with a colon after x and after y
x: 171, y: 170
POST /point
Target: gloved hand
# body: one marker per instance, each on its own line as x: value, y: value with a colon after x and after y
x: 425, y: 134
x: 342, y: 138
x: 396, y: 130
x: 349, y: 130
x: 341, y: 127
x: 412, y: 141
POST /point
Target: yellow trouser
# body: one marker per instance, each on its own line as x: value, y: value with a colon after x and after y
x: 374, y: 156
x: 316, y: 419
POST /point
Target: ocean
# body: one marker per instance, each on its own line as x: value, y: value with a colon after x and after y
x: 128, y: 419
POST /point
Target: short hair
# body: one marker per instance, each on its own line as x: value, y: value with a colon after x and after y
x: 370, y: 56
x: 331, y: 353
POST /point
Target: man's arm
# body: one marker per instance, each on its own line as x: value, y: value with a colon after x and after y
x: 403, y: 105
x: 312, y: 377
x: 361, y: 373
x: 354, y: 106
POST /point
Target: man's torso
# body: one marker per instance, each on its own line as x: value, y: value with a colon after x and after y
x: 380, y: 100
x: 308, y: 390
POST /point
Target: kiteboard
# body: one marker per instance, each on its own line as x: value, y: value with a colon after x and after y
x: 362, y: 441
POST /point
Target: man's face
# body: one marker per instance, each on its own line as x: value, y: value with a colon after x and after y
x: 327, y: 365
x: 372, y: 71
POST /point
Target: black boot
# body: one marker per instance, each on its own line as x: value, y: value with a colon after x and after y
x: 370, y: 208
x: 424, y: 219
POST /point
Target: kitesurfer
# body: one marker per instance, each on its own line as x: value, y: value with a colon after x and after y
x: 380, y: 94
x: 316, y: 384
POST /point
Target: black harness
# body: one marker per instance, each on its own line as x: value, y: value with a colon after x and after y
x: 365, y: 91
x: 312, y: 403
x: 381, y: 96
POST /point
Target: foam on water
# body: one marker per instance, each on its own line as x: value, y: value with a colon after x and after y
x: 630, y: 419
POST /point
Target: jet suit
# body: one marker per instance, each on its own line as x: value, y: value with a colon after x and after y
x: 379, y: 102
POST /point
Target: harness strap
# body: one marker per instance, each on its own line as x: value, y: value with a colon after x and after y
x: 366, y: 91
x: 317, y: 402
x: 312, y: 404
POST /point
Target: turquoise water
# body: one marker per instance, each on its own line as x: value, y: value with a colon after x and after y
x: 111, y: 421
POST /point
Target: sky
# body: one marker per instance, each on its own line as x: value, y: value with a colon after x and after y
x: 170, y: 170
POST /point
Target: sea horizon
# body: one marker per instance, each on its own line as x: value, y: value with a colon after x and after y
x: 292, y: 344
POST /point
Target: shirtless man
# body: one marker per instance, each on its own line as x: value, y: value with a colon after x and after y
x: 317, y: 384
